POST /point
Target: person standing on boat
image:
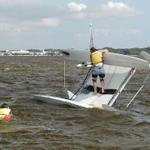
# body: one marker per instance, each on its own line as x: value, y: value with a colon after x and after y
x: 97, y: 67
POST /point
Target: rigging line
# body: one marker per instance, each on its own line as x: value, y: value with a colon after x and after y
x: 146, y: 78
x: 89, y: 71
x: 82, y: 85
x: 123, y: 84
x: 111, y: 77
x: 64, y: 73
x: 134, y: 96
x: 139, y: 90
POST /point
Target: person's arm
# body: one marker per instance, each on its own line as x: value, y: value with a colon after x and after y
x: 103, y: 51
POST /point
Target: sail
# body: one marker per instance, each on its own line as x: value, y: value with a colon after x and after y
x: 111, y: 59
x: 114, y: 78
x: 146, y: 55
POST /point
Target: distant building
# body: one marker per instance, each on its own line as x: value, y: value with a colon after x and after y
x: 36, y: 52
x: 2, y: 53
x: 33, y: 52
x: 17, y: 52
x: 53, y: 52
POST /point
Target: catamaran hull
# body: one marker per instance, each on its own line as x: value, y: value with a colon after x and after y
x: 84, y: 98
x: 92, y: 102
x: 60, y: 101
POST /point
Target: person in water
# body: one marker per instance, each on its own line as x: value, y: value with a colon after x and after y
x: 97, y: 67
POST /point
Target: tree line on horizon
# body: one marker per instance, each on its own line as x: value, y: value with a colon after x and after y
x: 129, y: 51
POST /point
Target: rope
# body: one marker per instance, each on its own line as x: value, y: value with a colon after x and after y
x: 139, y: 90
x: 81, y: 87
x: 110, y: 79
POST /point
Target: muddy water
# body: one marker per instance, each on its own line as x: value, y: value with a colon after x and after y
x: 40, y: 126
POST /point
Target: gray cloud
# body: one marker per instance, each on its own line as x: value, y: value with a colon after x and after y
x: 21, y: 19
x: 75, y: 7
x: 31, y: 10
x: 114, y: 9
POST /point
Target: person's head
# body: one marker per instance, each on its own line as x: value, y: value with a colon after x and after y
x: 4, y: 106
x: 93, y: 49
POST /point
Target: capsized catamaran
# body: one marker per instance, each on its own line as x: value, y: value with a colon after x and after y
x: 116, y: 79
x: 119, y: 70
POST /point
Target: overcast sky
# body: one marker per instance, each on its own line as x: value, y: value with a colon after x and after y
x: 65, y: 24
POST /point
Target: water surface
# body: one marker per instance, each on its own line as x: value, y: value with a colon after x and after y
x: 40, y: 126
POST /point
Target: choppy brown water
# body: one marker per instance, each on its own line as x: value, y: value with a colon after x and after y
x: 40, y: 126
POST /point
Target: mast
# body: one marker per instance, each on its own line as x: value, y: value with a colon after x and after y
x: 64, y: 73
x: 91, y: 44
x: 91, y: 37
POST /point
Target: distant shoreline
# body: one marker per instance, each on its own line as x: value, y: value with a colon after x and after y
x: 59, y: 52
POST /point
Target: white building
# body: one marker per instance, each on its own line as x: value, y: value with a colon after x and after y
x: 18, y: 52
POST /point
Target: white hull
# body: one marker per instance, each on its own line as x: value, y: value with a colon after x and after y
x: 59, y: 101
x: 96, y: 101
x: 115, y: 80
